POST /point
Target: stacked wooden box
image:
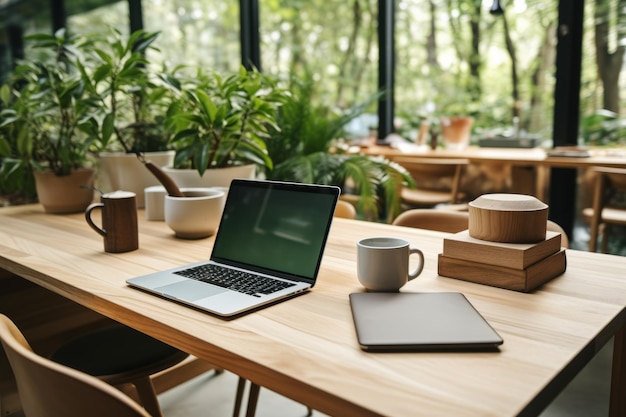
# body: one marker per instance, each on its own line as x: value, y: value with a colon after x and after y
x: 503, y: 249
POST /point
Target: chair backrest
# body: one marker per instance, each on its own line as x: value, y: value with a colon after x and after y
x: 434, y: 219
x: 48, y: 389
x: 607, y: 179
x: 453, y: 222
x: 432, y: 172
x: 345, y: 210
x: 555, y: 227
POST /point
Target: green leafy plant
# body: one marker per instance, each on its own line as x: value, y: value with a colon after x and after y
x: 306, y: 147
x: 132, y: 95
x: 223, y: 121
x: 603, y: 128
x: 46, y: 112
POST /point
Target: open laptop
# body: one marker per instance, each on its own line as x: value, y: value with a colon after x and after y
x: 405, y: 321
x: 269, y: 246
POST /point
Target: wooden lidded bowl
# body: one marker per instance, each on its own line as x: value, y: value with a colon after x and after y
x: 508, y: 218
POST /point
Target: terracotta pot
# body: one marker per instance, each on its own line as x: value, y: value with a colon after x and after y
x: 123, y: 171
x: 218, y: 177
x: 455, y: 131
x: 65, y: 194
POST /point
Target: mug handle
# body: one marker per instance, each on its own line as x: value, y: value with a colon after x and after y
x: 420, y: 267
x: 90, y: 222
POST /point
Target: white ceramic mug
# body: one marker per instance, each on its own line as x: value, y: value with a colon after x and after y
x: 195, y: 216
x: 383, y: 263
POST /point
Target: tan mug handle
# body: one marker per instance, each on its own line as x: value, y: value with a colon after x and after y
x: 419, y: 268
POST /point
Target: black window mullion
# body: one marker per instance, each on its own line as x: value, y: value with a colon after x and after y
x: 386, y: 67
x: 249, y: 34
x: 135, y: 15
x: 563, y: 184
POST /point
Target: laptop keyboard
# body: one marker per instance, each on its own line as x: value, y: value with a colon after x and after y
x: 232, y: 279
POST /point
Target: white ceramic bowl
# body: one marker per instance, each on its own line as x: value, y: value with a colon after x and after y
x: 195, y: 216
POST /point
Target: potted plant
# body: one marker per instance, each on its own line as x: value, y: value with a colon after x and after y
x: 17, y: 183
x: 220, y: 125
x: 306, y: 147
x: 45, y: 116
x: 133, y: 97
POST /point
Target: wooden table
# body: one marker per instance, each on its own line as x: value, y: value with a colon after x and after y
x: 529, y: 165
x: 306, y: 349
x: 514, y: 156
x: 531, y: 171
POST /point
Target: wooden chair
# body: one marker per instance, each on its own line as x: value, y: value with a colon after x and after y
x: 608, y: 181
x: 345, y: 210
x: 437, y: 181
x: 434, y: 219
x: 49, y: 321
x: 48, y: 389
x: 453, y: 222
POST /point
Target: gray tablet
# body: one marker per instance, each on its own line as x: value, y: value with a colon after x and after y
x: 420, y: 321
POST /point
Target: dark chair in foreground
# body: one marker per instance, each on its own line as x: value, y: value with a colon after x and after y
x: 119, y: 355
x: 48, y: 389
x: 608, y: 181
x: 49, y: 321
x: 453, y: 222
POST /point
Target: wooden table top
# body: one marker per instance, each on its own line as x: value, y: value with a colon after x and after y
x: 306, y: 348
x: 515, y: 156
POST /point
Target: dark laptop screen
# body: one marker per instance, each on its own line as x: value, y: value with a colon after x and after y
x: 273, y: 227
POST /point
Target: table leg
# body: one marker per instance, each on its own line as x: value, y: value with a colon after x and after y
x: 617, y: 405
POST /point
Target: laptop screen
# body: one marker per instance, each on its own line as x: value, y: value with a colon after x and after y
x: 276, y: 228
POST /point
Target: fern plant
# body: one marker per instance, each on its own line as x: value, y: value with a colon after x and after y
x: 306, y: 147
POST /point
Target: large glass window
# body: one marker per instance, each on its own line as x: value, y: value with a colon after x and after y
x: 98, y: 20
x: 455, y: 58
x: 204, y: 34
x: 335, y: 41
x: 603, y: 81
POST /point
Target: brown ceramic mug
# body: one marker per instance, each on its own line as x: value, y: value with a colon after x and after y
x: 119, y: 221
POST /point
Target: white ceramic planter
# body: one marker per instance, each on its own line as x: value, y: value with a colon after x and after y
x: 121, y: 171
x: 219, y: 177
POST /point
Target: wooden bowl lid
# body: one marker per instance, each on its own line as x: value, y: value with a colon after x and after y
x: 508, y: 202
x: 508, y: 218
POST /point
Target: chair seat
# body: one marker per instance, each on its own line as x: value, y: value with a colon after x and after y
x: 117, y: 355
x: 609, y: 215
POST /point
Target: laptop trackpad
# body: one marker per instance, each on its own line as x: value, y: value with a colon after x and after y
x: 189, y: 290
